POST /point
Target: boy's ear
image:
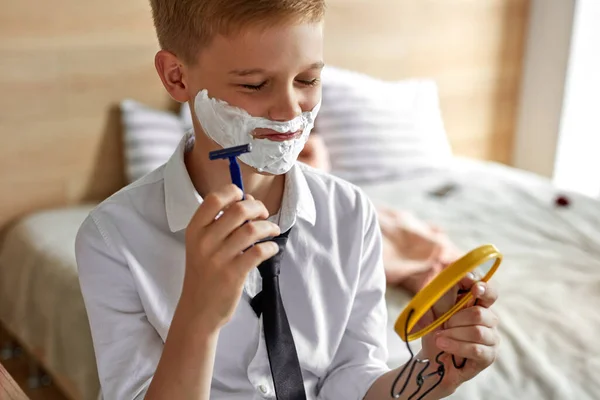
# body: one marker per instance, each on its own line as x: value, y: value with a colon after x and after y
x: 170, y: 71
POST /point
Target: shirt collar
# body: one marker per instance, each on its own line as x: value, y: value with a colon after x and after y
x: 182, y: 199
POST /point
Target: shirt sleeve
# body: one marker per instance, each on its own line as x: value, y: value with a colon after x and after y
x: 362, y: 354
x: 126, y: 345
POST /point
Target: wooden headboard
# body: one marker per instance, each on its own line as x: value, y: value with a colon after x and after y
x: 66, y: 64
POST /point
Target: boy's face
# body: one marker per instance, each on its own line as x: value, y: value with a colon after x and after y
x: 272, y: 73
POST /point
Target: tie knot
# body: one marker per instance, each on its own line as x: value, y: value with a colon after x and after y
x: 270, y: 268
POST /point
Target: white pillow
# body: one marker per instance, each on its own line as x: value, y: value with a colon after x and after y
x: 150, y: 136
x: 377, y: 130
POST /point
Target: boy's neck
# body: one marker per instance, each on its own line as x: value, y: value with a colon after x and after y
x: 208, y: 176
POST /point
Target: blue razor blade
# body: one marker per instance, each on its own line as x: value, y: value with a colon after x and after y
x: 232, y: 153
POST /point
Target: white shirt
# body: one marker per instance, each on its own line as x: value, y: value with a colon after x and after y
x: 131, y: 258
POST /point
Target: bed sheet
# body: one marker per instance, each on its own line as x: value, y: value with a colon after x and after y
x: 40, y: 298
x: 549, y: 281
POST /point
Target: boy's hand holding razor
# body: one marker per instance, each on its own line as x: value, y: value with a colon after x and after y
x: 221, y: 250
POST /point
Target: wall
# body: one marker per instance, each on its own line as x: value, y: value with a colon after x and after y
x: 544, y: 76
x: 66, y: 64
x: 472, y: 48
x: 577, y: 165
x: 558, y: 133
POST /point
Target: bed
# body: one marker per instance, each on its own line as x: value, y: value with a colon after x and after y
x: 62, y: 152
x: 40, y: 300
x: 549, y: 281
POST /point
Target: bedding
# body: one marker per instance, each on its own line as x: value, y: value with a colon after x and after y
x: 40, y: 299
x: 377, y: 130
x: 549, y: 281
x: 150, y: 136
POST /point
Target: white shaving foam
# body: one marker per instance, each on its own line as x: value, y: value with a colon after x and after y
x: 232, y: 126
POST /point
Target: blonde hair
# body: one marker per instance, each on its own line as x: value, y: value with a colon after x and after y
x: 183, y: 27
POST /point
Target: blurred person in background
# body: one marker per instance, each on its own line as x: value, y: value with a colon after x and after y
x: 414, y: 252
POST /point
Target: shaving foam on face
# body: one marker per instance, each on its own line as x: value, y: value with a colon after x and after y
x: 232, y: 126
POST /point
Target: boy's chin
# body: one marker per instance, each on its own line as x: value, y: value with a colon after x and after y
x: 263, y: 173
x: 267, y: 173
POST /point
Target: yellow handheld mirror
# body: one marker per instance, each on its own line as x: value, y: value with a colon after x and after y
x: 482, y: 261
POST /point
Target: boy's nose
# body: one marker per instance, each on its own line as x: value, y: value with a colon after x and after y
x: 285, y: 107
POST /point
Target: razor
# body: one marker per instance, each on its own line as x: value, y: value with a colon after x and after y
x: 232, y: 153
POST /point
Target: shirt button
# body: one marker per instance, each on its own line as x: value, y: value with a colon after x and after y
x: 263, y: 389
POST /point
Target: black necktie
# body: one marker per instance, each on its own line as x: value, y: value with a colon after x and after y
x: 285, y: 367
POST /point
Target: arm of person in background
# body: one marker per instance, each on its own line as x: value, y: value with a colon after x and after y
x: 414, y: 252
x: 315, y: 153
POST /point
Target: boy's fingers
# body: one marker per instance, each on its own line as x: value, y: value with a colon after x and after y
x: 212, y: 205
x: 244, y: 237
x: 467, y: 282
x: 255, y: 255
x: 475, y: 334
x: 235, y: 216
x: 475, y: 315
x: 486, y: 293
x: 471, y: 278
x: 478, y: 353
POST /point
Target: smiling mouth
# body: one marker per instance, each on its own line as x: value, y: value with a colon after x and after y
x: 276, y: 136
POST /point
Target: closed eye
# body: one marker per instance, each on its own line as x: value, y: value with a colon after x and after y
x: 310, y: 83
x: 254, y: 87
x: 313, y: 82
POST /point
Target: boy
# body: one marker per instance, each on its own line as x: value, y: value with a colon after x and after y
x: 168, y: 265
